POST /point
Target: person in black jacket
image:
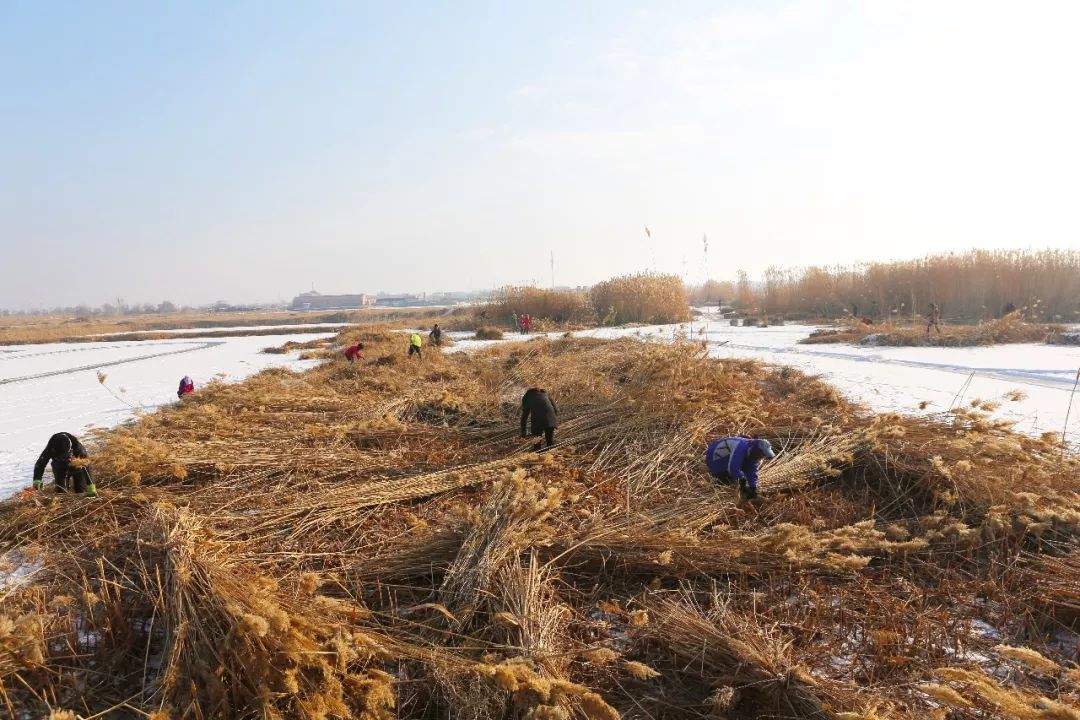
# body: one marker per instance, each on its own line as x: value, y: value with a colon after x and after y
x: 536, y: 403
x: 65, y: 451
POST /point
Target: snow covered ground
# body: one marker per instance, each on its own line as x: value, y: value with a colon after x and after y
x: 49, y: 388
x: 895, y: 379
x: 296, y: 327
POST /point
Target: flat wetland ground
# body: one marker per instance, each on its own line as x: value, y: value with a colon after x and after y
x: 373, y: 540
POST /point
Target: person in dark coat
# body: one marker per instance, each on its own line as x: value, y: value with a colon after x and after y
x: 933, y: 319
x: 436, y: 335
x: 536, y: 403
x: 64, y: 451
x: 187, y: 386
x: 737, y: 458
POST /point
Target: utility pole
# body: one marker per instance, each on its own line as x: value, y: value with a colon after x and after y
x: 552, y: 269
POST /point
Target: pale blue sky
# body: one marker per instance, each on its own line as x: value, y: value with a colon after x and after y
x: 241, y: 151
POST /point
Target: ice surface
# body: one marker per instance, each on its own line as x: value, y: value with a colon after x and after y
x: 313, y: 327
x: 16, y: 570
x: 48, y: 388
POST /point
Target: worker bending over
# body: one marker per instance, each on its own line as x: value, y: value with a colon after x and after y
x: 535, y: 403
x: 737, y: 458
x: 415, y: 342
x: 70, y: 465
x: 187, y: 386
x: 355, y: 352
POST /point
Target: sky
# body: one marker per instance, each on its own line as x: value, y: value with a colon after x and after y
x: 247, y: 151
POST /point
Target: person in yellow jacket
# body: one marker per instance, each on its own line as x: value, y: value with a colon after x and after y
x: 415, y: 342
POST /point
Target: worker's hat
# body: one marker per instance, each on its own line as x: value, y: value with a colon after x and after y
x: 766, y: 448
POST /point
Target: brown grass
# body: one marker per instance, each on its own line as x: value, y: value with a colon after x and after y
x: 372, y: 540
x: 969, y: 287
x: 1010, y: 329
x: 645, y: 298
x: 642, y: 298
x: 26, y: 329
x: 487, y: 332
x: 558, y: 307
x: 31, y: 329
x: 711, y: 292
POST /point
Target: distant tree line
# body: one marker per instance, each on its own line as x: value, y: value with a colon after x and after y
x: 105, y: 310
x: 972, y: 286
x: 121, y: 309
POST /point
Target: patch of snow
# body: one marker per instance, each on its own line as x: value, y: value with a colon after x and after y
x: 16, y: 570
x: 985, y: 630
x: 1066, y: 642
x: 843, y: 664
x: 313, y: 327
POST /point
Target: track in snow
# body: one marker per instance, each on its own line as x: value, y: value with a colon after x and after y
x: 1054, y: 379
x: 95, y: 366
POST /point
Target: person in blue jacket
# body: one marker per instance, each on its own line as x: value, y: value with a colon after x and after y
x: 737, y: 458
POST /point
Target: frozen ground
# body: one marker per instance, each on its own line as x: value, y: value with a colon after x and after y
x: 49, y: 388
x: 896, y: 379
x: 314, y: 327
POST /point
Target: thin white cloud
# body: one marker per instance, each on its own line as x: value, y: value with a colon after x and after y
x: 847, y: 132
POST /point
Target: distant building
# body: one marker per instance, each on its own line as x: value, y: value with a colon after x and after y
x: 455, y: 298
x: 317, y: 301
x: 401, y: 300
x: 223, y: 307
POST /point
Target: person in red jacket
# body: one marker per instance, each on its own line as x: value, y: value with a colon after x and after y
x: 355, y: 352
x: 187, y: 386
x: 526, y: 324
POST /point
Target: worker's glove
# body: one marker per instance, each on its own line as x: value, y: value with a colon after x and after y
x: 91, y: 490
x: 37, y: 483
